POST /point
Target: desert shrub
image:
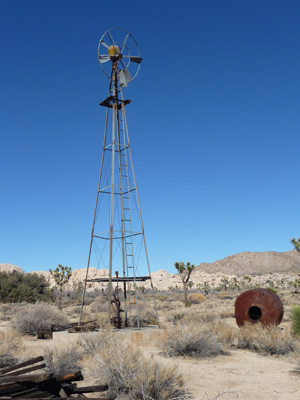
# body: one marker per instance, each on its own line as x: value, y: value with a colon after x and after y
x: 17, y: 287
x: 177, y: 315
x: 128, y: 372
x: 62, y: 361
x: 184, y: 316
x: 191, y: 340
x: 295, y: 316
x: 100, y: 304
x: 39, y: 316
x: 225, y: 333
x: 92, y: 344
x: 196, y: 298
x: 147, y: 315
x: 227, y: 314
x: 10, y: 346
x: 102, y: 320
x: 265, y: 340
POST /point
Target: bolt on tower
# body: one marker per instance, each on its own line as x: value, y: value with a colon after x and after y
x: 117, y: 239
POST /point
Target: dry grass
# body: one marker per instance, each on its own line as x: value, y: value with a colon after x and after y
x: 130, y: 373
x: 192, y: 340
x: 187, y: 315
x: 265, y: 340
x: 39, y: 316
x: 196, y: 298
x: 62, y: 360
x: 100, y: 305
x: 92, y: 344
x: 224, y: 332
x: 147, y: 315
x: 10, y: 347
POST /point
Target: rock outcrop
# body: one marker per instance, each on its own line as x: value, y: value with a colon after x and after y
x: 255, y: 263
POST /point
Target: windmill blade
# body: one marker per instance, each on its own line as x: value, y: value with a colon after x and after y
x: 104, y: 59
x: 137, y: 60
x: 124, y: 43
x: 104, y: 44
x: 111, y: 38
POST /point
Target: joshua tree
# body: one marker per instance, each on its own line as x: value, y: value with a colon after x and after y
x: 296, y: 244
x: 61, y: 276
x: 224, y: 283
x: 185, y: 273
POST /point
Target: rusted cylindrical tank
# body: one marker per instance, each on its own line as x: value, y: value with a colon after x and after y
x: 258, y: 305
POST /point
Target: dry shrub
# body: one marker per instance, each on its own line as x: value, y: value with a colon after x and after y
x: 99, y: 305
x: 225, y: 333
x: 147, y: 315
x: 192, y: 340
x: 62, y: 360
x: 39, y: 316
x: 187, y: 315
x: 207, y: 316
x: 265, y: 340
x: 9, y: 310
x: 196, y: 298
x: 10, y: 346
x: 128, y: 372
x: 94, y: 343
x: 227, y: 314
x: 178, y: 315
x: 102, y: 320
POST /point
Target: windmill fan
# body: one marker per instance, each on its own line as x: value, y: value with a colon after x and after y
x: 119, y: 46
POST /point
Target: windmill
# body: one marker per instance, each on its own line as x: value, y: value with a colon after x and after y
x: 117, y: 239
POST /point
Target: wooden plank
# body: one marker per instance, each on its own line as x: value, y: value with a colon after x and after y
x: 36, y: 395
x: 72, y: 376
x: 35, y: 378
x: 91, y: 389
x: 24, y: 392
x: 26, y: 370
x: 13, y: 387
x: 55, y: 398
x: 21, y: 365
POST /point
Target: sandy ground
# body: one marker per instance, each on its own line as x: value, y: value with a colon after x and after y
x: 248, y: 375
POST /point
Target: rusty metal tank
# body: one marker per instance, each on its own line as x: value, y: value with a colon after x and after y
x: 258, y: 305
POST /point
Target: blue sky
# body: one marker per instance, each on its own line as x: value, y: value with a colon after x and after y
x: 214, y: 127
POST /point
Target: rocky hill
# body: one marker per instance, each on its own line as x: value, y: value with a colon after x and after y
x: 10, y: 268
x: 247, y: 263
x: 255, y: 263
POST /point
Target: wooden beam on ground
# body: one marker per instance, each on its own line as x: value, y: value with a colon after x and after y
x: 26, y: 370
x: 21, y: 365
x: 91, y: 389
x: 35, y: 378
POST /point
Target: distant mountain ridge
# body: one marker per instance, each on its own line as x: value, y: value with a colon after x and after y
x: 283, y: 264
x: 254, y: 263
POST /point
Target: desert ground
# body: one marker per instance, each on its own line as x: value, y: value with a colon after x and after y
x: 235, y: 372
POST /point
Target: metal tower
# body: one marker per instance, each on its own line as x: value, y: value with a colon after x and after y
x: 117, y: 239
